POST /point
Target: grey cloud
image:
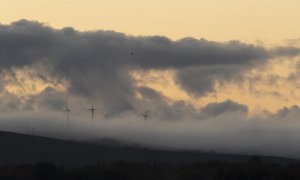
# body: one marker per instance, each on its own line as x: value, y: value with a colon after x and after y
x: 9, y: 102
x: 228, y: 106
x: 160, y: 52
x: 285, y: 112
x: 25, y: 42
x: 226, y: 133
x: 96, y: 64
x: 200, y: 80
x: 287, y: 51
x: 49, y: 99
x: 160, y: 107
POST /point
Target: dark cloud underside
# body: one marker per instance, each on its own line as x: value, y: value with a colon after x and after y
x: 97, y: 64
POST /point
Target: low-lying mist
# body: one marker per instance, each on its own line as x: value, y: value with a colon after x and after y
x: 276, y: 135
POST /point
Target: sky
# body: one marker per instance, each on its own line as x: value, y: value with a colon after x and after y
x: 222, y: 20
x: 201, y: 69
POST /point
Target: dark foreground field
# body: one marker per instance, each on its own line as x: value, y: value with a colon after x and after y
x: 254, y: 169
x: 32, y: 157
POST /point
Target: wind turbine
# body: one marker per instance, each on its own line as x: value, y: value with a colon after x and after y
x: 68, y: 112
x: 146, y: 115
x: 92, y: 111
x: 92, y: 117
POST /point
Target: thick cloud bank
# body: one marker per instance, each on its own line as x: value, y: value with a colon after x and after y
x: 95, y: 67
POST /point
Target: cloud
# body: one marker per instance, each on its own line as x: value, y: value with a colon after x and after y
x: 160, y: 52
x: 226, y: 133
x: 199, y: 81
x: 160, y: 107
x: 228, y: 106
x: 286, y: 51
x: 285, y: 112
x: 9, y: 102
x: 96, y: 65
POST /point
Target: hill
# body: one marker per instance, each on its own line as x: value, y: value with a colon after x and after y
x: 19, y: 149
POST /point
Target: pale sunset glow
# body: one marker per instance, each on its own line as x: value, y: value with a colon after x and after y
x: 219, y: 20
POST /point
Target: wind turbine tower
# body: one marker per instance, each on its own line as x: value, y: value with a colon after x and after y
x: 92, y: 111
x: 92, y: 117
x: 68, y: 113
x: 146, y: 115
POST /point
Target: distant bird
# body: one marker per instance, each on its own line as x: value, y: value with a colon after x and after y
x: 131, y: 53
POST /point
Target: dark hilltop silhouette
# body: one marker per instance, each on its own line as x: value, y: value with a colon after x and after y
x: 27, y: 157
x: 19, y: 148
